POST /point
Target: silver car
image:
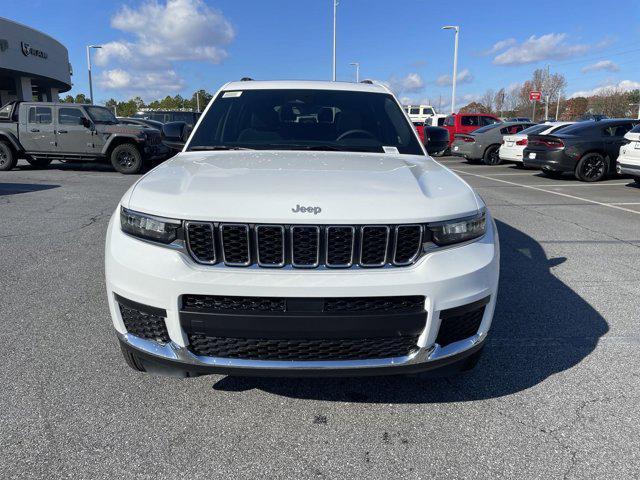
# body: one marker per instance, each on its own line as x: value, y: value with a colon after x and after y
x: 483, y: 144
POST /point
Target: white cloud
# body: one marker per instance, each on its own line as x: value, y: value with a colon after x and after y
x: 624, y: 85
x: 146, y: 84
x: 463, y: 76
x: 163, y: 33
x: 551, y: 46
x: 501, y: 45
x: 603, y: 65
x: 411, y: 83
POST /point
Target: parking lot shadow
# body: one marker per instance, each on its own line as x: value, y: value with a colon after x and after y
x: 71, y: 166
x: 15, y: 188
x: 541, y: 327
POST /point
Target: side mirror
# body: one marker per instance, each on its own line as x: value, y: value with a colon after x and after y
x: 85, y: 122
x: 175, y: 134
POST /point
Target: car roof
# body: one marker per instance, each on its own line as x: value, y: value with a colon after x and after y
x: 60, y: 104
x: 304, y: 85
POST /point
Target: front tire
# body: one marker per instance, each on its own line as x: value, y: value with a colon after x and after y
x: 8, y: 158
x: 39, y: 162
x: 591, y: 168
x: 127, y: 159
x: 637, y: 180
x: 491, y: 156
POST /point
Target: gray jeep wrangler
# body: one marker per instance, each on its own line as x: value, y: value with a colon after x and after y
x: 41, y: 132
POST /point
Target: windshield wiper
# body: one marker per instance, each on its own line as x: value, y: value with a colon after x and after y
x: 216, y: 147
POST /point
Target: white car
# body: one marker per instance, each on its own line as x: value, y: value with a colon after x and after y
x: 513, y: 146
x: 629, y: 158
x: 419, y: 113
x: 329, y: 246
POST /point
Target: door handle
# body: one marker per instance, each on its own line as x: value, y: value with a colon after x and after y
x: 34, y: 130
x: 63, y: 131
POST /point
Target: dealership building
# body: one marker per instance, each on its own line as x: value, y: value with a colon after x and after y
x: 33, y: 66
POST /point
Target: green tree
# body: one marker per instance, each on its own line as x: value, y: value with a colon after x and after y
x: 81, y: 98
x: 68, y: 99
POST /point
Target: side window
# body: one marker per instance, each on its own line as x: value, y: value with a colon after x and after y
x: 616, y: 130
x: 487, y: 121
x: 469, y: 121
x: 415, y: 111
x: 450, y: 121
x: 440, y: 122
x: 40, y: 115
x: 69, y: 116
x: 5, y: 112
x: 428, y: 111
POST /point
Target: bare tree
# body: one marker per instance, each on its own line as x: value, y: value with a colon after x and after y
x: 499, y: 100
x: 487, y: 100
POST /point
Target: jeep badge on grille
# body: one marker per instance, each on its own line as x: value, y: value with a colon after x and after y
x: 299, y: 209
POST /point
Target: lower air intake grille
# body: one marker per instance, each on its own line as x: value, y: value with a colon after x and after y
x: 143, y: 321
x: 459, y: 323
x: 330, y: 349
x: 374, y: 304
x: 219, y: 303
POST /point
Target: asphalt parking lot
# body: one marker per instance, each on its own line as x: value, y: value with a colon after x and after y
x: 556, y: 394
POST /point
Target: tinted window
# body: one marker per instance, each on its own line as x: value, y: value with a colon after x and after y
x: 561, y: 127
x: 40, y: 115
x: 69, y: 116
x: 428, y: 111
x: 415, y: 111
x: 469, y: 121
x: 579, y: 129
x: 636, y: 129
x: 450, y: 121
x: 617, y: 130
x: 306, y: 119
x: 488, y: 121
x: 486, y: 128
x: 5, y: 112
x: 534, y: 129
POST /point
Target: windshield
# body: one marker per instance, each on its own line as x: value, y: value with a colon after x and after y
x: 101, y: 115
x: 306, y: 120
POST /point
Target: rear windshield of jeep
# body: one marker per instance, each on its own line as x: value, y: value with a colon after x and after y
x: 305, y: 120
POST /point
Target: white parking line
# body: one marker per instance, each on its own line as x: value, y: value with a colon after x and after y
x: 531, y: 187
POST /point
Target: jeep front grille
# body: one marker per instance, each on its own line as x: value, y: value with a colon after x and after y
x: 304, y: 246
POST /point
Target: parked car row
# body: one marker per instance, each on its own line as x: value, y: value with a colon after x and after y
x: 589, y: 149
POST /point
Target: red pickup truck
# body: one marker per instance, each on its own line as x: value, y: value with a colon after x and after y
x: 467, y: 123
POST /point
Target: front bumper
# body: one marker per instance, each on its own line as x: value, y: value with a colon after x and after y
x: 155, y: 152
x: 628, y: 165
x: 158, y: 277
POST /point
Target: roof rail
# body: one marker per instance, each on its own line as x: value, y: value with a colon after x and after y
x: 366, y: 80
x: 246, y: 79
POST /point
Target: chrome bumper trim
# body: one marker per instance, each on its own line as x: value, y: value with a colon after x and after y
x: 174, y: 352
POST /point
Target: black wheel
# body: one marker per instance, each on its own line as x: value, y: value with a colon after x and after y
x: 39, y: 162
x: 591, y: 168
x: 551, y: 173
x: 473, y: 161
x: 8, y: 158
x: 126, y: 158
x: 637, y: 180
x: 491, y: 156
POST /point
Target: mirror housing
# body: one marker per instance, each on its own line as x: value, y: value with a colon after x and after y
x: 85, y: 122
x: 175, y: 134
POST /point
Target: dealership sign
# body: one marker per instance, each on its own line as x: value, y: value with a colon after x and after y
x: 535, y: 96
x: 28, y: 50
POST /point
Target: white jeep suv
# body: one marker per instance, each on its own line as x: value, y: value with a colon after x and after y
x: 303, y: 230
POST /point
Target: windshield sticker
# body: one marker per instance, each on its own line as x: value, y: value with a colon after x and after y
x: 390, y: 150
x: 231, y: 94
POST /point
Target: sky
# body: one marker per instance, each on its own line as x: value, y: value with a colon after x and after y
x: 154, y: 48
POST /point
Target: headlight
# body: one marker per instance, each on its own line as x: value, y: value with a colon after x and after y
x: 458, y: 230
x: 163, y: 230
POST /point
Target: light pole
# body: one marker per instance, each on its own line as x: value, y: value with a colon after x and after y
x: 455, y: 64
x: 335, y: 12
x: 89, y: 47
x: 357, y: 65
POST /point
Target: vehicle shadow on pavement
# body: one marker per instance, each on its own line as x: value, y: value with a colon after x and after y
x: 541, y: 327
x: 70, y: 166
x: 15, y: 188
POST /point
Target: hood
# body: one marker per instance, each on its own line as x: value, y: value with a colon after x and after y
x: 302, y: 187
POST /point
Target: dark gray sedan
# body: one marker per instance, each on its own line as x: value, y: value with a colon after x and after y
x: 483, y: 144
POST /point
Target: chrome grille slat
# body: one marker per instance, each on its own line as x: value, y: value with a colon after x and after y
x: 304, y: 246
x: 236, y: 246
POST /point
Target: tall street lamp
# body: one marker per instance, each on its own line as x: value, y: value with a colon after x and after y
x: 335, y: 12
x: 357, y: 65
x: 455, y: 64
x: 89, y: 47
